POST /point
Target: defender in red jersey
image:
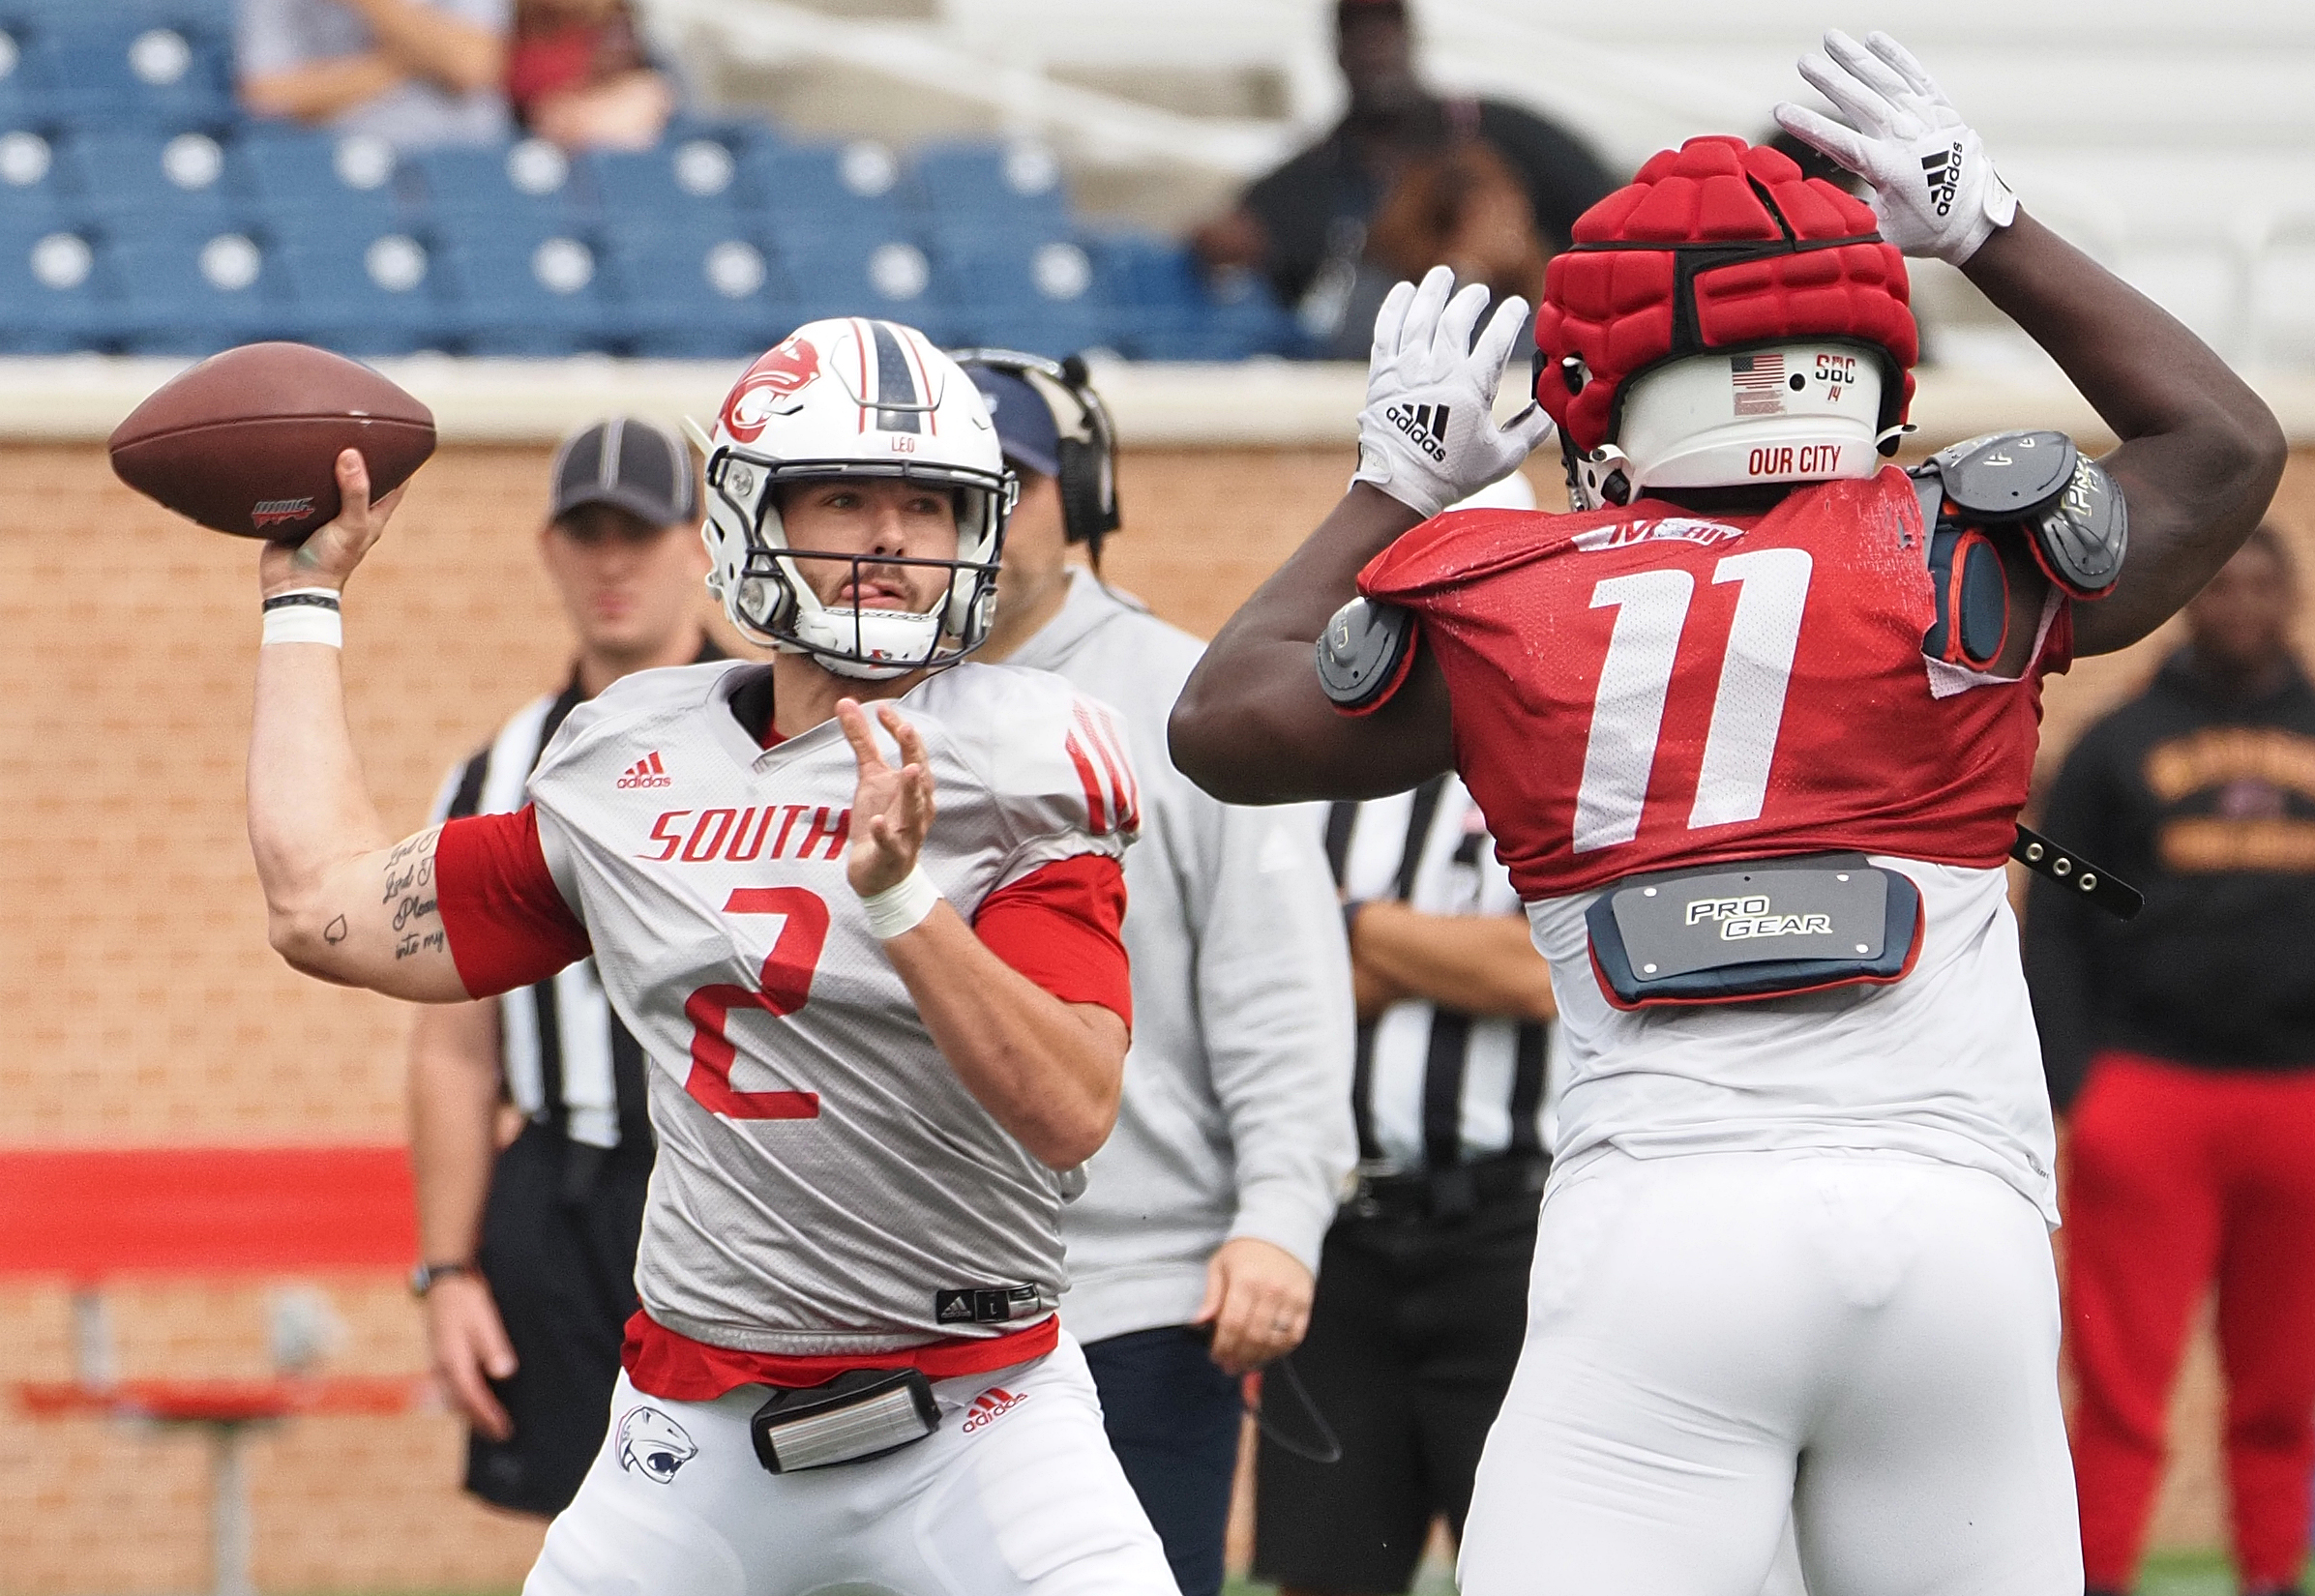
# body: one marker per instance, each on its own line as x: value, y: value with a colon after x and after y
x: 1751, y: 727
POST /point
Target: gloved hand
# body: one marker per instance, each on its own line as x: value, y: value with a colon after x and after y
x: 1935, y: 189
x: 1427, y: 436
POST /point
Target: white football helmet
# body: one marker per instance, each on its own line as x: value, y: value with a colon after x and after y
x: 854, y: 397
x: 1803, y: 411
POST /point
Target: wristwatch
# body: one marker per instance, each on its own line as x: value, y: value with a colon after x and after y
x: 423, y: 1278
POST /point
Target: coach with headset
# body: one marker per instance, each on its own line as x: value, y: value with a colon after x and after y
x: 1193, y: 1253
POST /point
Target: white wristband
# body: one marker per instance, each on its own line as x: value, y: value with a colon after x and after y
x: 304, y: 615
x: 903, y: 906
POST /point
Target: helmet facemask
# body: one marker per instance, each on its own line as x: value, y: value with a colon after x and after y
x: 768, y: 598
x: 851, y: 398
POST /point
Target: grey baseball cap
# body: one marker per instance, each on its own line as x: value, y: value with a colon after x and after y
x: 638, y: 466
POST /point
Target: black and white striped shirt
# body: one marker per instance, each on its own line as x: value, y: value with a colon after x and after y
x: 1435, y: 1087
x: 567, y: 1059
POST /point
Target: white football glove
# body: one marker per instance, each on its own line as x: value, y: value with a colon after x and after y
x: 1427, y: 436
x: 1935, y: 189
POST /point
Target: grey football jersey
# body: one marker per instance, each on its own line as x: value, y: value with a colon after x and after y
x: 825, y: 1184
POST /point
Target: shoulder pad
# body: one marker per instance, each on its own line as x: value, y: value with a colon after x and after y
x: 1364, y: 653
x: 2081, y: 539
x: 2005, y: 476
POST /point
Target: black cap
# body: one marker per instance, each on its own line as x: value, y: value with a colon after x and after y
x: 638, y: 466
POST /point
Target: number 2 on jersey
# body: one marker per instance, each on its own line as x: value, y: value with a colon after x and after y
x: 1748, y: 708
x: 781, y: 988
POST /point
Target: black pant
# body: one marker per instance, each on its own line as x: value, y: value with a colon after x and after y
x: 558, y: 1245
x: 1414, y: 1334
x: 1173, y: 1419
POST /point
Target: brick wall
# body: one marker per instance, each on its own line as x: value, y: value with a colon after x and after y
x: 141, y: 1004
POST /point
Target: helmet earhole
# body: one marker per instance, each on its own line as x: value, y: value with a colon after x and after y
x: 1574, y: 373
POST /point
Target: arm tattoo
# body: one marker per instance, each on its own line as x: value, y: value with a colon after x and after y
x: 409, y: 883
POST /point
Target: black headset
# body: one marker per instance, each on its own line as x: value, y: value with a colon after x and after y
x: 1088, y: 462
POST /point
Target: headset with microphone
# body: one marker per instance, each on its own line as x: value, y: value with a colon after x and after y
x: 1088, y: 461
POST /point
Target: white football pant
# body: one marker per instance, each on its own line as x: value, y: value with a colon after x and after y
x: 1016, y: 1495
x: 1866, y: 1340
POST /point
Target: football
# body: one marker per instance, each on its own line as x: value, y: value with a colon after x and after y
x: 247, y: 442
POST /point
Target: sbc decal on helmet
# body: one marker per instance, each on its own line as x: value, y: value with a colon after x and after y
x: 860, y: 399
x: 1724, y: 320
x: 774, y: 380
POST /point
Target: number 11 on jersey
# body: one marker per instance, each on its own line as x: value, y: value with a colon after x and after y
x: 1748, y: 708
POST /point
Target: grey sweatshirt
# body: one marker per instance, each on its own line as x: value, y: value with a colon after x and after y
x: 1237, y: 1116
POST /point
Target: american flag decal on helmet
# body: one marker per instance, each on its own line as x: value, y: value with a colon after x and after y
x: 1759, y: 381
x: 1113, y: 798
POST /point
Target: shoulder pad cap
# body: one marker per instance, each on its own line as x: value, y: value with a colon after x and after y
x: 2005, y: 475
x: 1364, y: 653
x: 2082, y: 537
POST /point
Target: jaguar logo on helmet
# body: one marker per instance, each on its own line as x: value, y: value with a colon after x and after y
x: 1724, y: 320
x: 778, y: 375
x: 892, y: 406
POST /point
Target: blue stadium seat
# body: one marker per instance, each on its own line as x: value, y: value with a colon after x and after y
x: 1164, y: 308
x: 188, y: 295
x: 364, y: 294
x: 891, y: 277
x: 34, y: 176
x: 810, y: 192
x: 523, y: 184
x: 54, y: 293
x: 513, y: 293
x: 1038, y: 293
x: 696, y: 296
x: 692, y: 183
x: 23, y: 74
x: 993, y: 189
x: 299, y: 179
x: 134, y: 181
x: 105, y: 70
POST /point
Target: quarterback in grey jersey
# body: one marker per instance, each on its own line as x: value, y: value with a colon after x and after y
x: 880, y: 1044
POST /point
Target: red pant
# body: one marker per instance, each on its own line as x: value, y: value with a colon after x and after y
x: 2180, y: 1178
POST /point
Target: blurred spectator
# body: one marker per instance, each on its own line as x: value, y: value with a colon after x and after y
x: 2181, y: 1051
x: 1191, y: 1252
x: 530, y: 1250
x: 1423, y: 1289
x: 1330, y: 229
x: 578, y: 73
x: 414, y: 72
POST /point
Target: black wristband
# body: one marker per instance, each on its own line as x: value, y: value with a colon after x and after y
x: 316, y: 597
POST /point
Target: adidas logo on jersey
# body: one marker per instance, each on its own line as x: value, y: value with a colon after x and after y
x: 647, y: 772
x: 991, y: 1406
x: 1943, y: 169
x: 1426, y: 425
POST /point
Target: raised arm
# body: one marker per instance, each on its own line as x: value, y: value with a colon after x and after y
x: 344, y: 902
x: 2201, y: 455
x: 1050, y: 1072
x: 462, y: 56
x: 1251, y: 726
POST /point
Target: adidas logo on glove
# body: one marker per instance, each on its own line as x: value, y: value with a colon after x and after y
x: 1426, y: 424
x: 1943, y: 169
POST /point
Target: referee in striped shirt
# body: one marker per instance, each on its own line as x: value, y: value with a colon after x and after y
x: 528, y: 1250
x: 1422, y: 1289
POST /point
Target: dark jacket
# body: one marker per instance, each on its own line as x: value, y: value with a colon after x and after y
x: 1303, y: 204
x: 2208, y: 805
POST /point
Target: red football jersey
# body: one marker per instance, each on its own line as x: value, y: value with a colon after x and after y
x: 1641, y: 688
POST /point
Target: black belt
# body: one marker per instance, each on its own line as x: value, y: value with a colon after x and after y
x: 1449, y: 1194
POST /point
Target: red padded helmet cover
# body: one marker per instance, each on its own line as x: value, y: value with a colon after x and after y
x: 1816, y: 269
